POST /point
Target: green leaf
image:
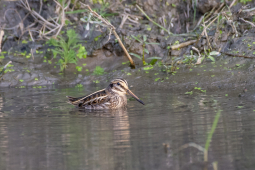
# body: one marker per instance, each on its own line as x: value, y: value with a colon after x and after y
x: 212, y: 58
x: 21, y: 80
x: 147, y: 51
x: 96, y: 81
x: 214, y: 53
x: 136, y: 55
x: 82, y: 53
x: 136, y: 38
x: 190, y: 93
x: 78, y: 68
x: 24, y: 42
x: 36, y: 79
x: 152, y: 43
x: 151, y: 58
x: 153, y: 61
x: 144, y: 38
x: 98, y: 71
x: 76, y: 11
x: 148, y: 67
x: 157, y: 79
x: 79, y: 86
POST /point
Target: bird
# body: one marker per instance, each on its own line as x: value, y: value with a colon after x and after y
x: 112, y: 97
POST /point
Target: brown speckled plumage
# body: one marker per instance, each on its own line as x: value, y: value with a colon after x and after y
x: 112, y: 97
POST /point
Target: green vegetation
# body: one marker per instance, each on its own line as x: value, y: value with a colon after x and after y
x: 79, y: 86
x: 144, y: 42
x: 245, y: 1
x: 98, y: 71
x: 200, y: 89
x: 96, y: 81
x: 190, y: 93
x: 78, y: 68
x: 157, y: 79
x: 210, y: 134
x: 67, y: 49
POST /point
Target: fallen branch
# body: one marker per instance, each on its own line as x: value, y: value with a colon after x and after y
x: 174, y: 47
x: 248, y: 10
x: 237, y: 55
x: 112, y: 28
x: 247, y: 22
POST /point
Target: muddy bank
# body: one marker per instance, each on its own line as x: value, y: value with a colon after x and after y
x: 34, y: 65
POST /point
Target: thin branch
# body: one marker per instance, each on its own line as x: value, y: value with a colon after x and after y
x: 174, y: 47
x: 2, y: 72
x: 1, y: 37
x: 153, y: 21
x: 247, y: 22
x: 111, y: 27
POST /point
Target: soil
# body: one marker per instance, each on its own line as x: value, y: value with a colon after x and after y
x: 234, y: 66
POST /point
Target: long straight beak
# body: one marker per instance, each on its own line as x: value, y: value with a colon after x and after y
x: 134, y: 96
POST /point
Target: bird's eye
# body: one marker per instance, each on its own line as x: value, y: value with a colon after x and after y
x: 118, y: 84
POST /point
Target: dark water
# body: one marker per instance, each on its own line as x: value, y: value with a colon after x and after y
x: 39, y: 130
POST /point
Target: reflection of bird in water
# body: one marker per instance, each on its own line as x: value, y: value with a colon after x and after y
x: 112, y: 97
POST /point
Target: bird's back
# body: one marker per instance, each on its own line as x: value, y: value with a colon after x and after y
x: 96, y: 98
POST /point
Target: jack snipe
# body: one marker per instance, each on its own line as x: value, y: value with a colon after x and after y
x: 112, y: 97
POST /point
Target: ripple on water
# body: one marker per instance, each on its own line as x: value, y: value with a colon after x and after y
x: 39, y: 130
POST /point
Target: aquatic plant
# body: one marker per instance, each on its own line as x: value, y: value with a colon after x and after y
x: 67, y: 49
x: 210, y: 134
x: 98, y: 71
x: 79, y: 86
x: 144, y: 42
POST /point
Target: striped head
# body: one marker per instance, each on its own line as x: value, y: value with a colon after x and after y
x: 120, y: 87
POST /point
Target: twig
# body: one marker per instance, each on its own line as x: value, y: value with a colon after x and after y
x: 248, y: 10
x: 199, y: 60
x: 210, y: 13
x: 233, y: 2
x: 237, y: 55
x: 200, y: 148
x: 208, y: 42
x: 198, y: 23
x: 247, y: 22
x: 153, y: 21
x: 40, y: 7
x: 125, y: 17
x: 31, y: 35
x: 2, y: 72
x: 163, y: 27
x: 32, y: 53
x: 1, y: 38
x: 174, y: 47
x: 63, y: 18
x: 19, y: 17
x: 111, y: 27
x: 202, y: 34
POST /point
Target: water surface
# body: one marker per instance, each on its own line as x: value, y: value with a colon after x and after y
x: 39, y: 130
